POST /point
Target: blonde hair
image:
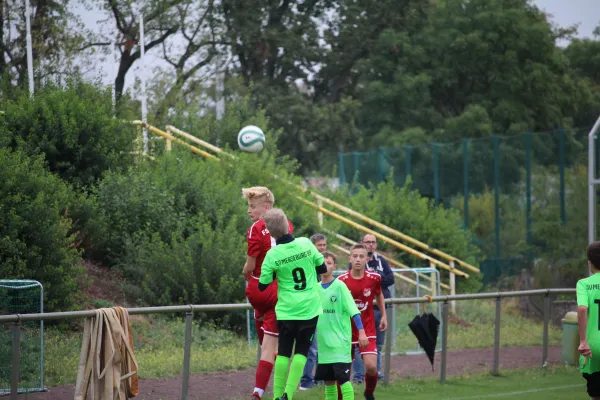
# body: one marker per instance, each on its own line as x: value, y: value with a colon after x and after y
x: 276, y: 222
x: 258, y: 192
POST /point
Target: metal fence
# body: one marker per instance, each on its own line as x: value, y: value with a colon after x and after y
x: 17, y: 319
x: 515, y: 171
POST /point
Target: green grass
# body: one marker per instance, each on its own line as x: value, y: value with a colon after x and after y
x: 158, y: 348
x: 546, y: 384
x: 479, y: 316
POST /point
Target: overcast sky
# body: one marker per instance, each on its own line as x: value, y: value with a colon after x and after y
x: 585, y: 13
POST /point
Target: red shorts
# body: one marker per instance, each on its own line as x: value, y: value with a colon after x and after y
x: 264, y: 306
x: 370, y: 349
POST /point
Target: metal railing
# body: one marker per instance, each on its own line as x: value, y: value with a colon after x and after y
x: 189, y: 310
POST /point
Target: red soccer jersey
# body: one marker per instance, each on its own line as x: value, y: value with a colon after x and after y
x: 364, y: 291
x: 259, y: 242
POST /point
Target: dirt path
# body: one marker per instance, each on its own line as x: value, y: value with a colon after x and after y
x: 236, y: 384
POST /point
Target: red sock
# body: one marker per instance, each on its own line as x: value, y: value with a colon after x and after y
x: 263, y: 374
x: 370, y: 383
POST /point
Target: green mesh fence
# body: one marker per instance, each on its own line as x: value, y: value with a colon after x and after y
x: 22, y: 297
x: 500, y: 184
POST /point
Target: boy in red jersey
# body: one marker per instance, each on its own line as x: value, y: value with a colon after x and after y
x: 365, y: 287
x: 260, y: 200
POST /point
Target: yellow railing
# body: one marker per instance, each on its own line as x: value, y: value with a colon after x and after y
x: 450, y: 266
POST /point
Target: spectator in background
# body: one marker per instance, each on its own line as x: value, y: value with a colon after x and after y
x: 308, y: 376
x: 377, y: 263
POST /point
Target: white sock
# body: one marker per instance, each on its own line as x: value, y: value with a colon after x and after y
x: 258, y: 391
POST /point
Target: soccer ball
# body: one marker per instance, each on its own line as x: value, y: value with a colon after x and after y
x: 251, y: 139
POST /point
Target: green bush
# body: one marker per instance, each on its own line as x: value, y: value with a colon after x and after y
x: 72, y: 126
x: 35, y: 230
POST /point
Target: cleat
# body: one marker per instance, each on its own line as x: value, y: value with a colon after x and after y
x: 255, y: 396
x: 284, y: 397
x: 369, y: 396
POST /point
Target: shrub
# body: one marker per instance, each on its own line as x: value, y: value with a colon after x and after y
x: 72, y: 126
x: 35, y: 238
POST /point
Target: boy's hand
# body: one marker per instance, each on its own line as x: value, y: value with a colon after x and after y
x: 363, y: 340
x: 584, y: 350
x: 383, y: 323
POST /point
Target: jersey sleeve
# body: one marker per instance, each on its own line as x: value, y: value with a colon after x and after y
x: 268, y: 268
x: 582, y: 295
x: 377, y: 284
x: 253, y: 237
x: 348, y: 301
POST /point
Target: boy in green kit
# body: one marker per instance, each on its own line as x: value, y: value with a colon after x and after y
x: 295, y: 262
x: 588, y: 313
x: 334, y: 334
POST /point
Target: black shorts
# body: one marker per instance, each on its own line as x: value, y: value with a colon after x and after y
x: 593, y: 384
x: 298, y: 332
x: 339, y: 372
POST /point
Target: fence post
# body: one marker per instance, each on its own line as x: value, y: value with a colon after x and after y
x: 497, y: 338
x: 466, y: 180
x: 407, y: 159
x: 436, y: 175
x: 388, y: 352
x: 433, y: 280
x: 452, y: 286
x: 341, y: 171
x: 356, y: 164
x: 320, y: 213
x: 528, y: 194
x: 563, y: 212
x: 497, y: 194
x: 380, y: 164
x: 16, y: 344
x: 545, y: 337
x: 444, y: 341
x: 187, y: 348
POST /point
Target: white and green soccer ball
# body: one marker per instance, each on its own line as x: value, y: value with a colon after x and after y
x: 251, y: 139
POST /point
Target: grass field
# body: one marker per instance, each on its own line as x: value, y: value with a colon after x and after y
x: 552, y: 384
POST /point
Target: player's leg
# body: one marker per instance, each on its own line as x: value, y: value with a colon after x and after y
x: 308, y: 381
x: 287, y: 335
x: 342, y: 376
x: 358, y: 367
x: 326, y: 373
x: 369, y: 356
x: 593, y: 385
x: 304, y: 337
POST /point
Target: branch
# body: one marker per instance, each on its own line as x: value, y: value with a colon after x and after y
x: 161, y: 39
x: 118, y: 16
x: 87, y: 46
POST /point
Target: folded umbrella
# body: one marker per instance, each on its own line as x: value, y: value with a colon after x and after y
x: 426, y: 328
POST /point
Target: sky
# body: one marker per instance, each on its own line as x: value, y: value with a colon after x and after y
x: 564, y: 13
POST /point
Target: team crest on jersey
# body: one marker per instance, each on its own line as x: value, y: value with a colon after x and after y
x: 367, y: 292
x: 333, y: 298
x: 360, y: 305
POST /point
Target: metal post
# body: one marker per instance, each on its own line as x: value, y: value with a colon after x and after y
x: 528, y: 195
x: 258, y: 353
x: 407, y: 159
x: 356, y: 164
x: 591, y: 178
x: 143, y: 82
x: 545, y: 335
x: 436, y: 175
x: 497, y: 194
x: 433, y: 280
x: 452, y: 286
x: 319, y: 213
x: 29, y: 46
x: 341, y: 171
x: 380, y: 164
x: 497, y: 337
x: 444, y: 341
x: 187, y: 349
x: 561, y: 157
x: 16, y: 344
x: 388, y: 353
x: 466, y: 180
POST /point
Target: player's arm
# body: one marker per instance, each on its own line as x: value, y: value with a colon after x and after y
x: 249, y: 267
x: 319, y: 261
x: 582, y: 320
x: 381, y: 303
x: 266, y: 273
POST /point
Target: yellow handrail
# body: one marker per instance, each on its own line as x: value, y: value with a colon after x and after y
x: 164, y: 134
x: 343, y: 208
x: 390, y: 260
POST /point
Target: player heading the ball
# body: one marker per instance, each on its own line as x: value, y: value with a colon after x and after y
x: 295, y: 262
x: 260, y: 200
x: 365, y: 288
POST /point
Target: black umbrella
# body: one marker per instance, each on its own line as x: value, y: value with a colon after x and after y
x: 425, y: 328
